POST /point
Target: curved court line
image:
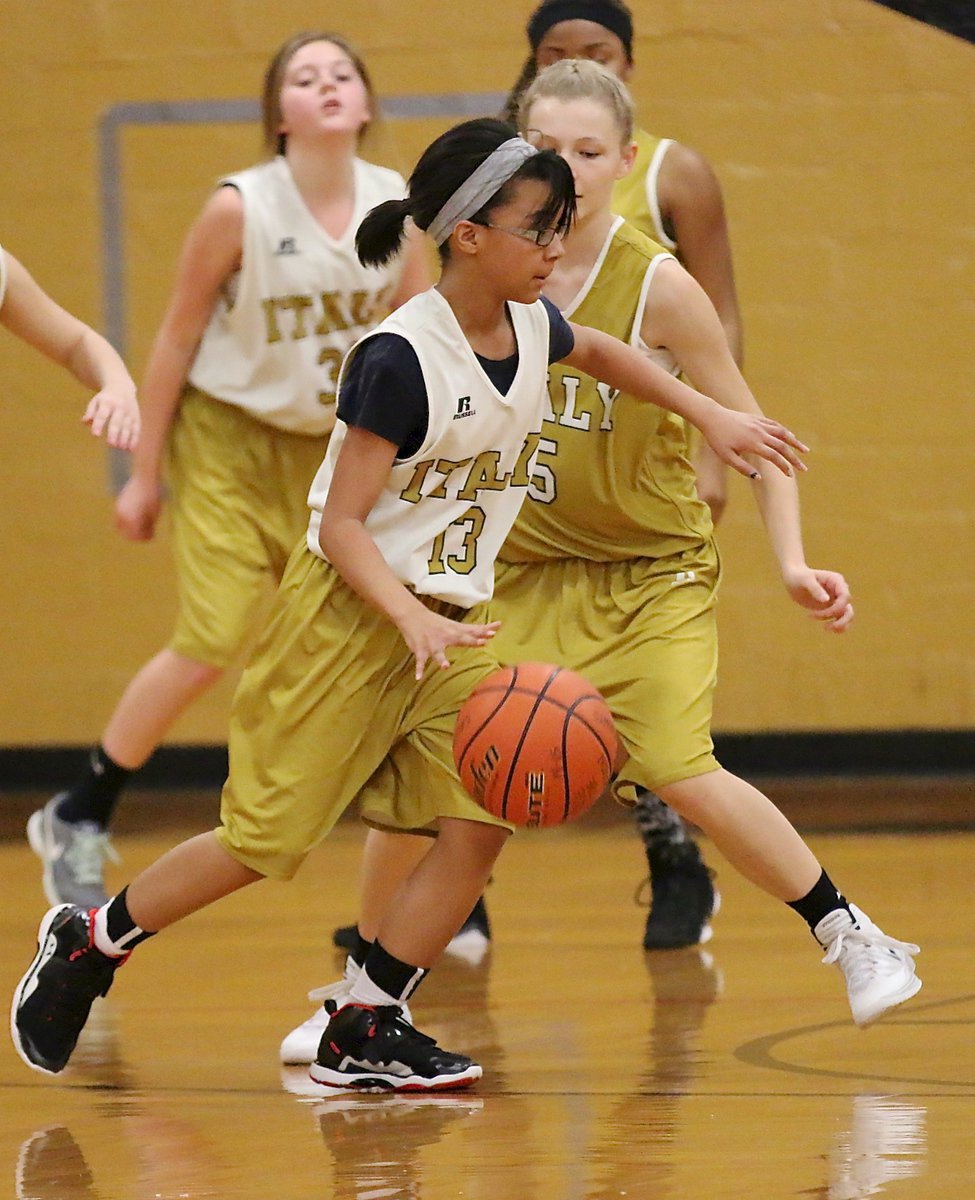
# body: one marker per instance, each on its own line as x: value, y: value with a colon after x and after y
x: 760, y: 1051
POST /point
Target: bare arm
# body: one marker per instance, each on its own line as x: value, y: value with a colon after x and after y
x: 30, y: 313
x: 732, y: 434
x: 361, y: 472
x: 693, y: 209
x: 681, y: 317
x: 210, y: 254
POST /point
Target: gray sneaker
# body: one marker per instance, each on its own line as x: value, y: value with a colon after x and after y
x: 73, y: 857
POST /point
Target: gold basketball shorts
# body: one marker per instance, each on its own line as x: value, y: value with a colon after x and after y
x: 239, y: 504
x: 328, y: 710
x: 643, y: 632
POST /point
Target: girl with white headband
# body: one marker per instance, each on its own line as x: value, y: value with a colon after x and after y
x: 439, y: 415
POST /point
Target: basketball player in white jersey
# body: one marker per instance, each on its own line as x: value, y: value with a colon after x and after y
x: 440, y: 415
x: 30, y: 314
x: 240, y: 396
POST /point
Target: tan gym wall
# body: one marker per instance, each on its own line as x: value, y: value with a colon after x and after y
x: 844, y: 137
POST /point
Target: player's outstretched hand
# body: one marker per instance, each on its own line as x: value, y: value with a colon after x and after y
x: 115, y: 413
x: 137, y: 509
x: 732, y: 434
x: 428, y: 634
x: 826, y: 595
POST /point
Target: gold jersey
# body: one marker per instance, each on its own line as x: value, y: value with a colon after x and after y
x: 635, y: 196
x: 613, y: 479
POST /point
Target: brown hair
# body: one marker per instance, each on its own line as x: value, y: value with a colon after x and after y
x: 580, y: 79
x: 274, y: 141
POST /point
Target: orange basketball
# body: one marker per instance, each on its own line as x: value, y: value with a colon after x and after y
x: 535, y: 744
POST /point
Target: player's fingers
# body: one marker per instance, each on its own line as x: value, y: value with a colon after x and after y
x: 96, y: 418
x: 785, y: 434
x: 741, y: 465
x: 771, y: 453
x: 791, y: 455
x: 842, y: 622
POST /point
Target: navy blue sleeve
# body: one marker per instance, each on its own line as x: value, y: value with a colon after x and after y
x: 561, y: 339
x: 383, y: 391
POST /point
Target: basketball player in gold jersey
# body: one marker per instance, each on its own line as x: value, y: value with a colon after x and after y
x: 615, y: 549
x: 672, y: 195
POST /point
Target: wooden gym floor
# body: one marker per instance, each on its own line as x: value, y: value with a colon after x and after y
x: 728, y: 1071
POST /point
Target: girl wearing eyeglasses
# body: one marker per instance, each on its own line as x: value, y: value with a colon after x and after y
x: 439, y: 415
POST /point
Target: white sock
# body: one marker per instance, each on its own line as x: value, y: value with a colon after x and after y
x: 102, y: 940
x: 365, y: 991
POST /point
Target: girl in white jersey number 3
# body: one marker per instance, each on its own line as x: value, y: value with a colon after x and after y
x: 239, y: 394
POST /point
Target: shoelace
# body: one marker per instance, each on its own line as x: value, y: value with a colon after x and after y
x: 870, y: 945
x: 329, y: 991
x: 87, y: 853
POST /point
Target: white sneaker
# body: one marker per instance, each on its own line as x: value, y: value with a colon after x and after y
x: 879, y: 970
x: 301, y: 1044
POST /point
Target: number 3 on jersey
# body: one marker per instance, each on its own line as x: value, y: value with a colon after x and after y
x: 542, y: 486
x: 462, y: 563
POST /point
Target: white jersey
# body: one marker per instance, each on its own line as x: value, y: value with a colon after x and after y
x: 301, y: 299
x: 445, y: 511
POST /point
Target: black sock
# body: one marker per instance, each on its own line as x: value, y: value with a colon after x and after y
x: 95, y: 795
x: 391, y: 975
x: 823, y: 898
x: 119, y: 933
x: 660, y: 827
x: 362, y: 948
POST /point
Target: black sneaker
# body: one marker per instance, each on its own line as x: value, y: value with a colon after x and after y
x: 683, y: 901
x: 376, y: 1050
x: 53, y: 1000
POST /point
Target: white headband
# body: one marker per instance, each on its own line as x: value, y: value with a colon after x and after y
x: 496, y: 170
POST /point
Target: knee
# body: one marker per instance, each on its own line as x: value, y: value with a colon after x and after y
x: 477, y: 841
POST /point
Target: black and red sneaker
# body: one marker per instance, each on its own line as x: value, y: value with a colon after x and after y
x: 53, y: 1000
x: 377, y: 1050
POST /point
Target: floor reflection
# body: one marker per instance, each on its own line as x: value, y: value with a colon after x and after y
x: 886, y: 1142
x: 52, y: 1166
x: 633, y: 1150
x: 376, y: 1141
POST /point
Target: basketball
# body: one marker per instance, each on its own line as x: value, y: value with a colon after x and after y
x: 535, y: 744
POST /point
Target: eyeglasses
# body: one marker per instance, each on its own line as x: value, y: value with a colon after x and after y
x: 541, y: 237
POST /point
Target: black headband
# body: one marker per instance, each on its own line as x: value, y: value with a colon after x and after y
x: 610, y: 16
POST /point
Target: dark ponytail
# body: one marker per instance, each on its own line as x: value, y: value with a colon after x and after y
x: 443, y: 167
x: 380, y: 236
x: 511, y: 106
